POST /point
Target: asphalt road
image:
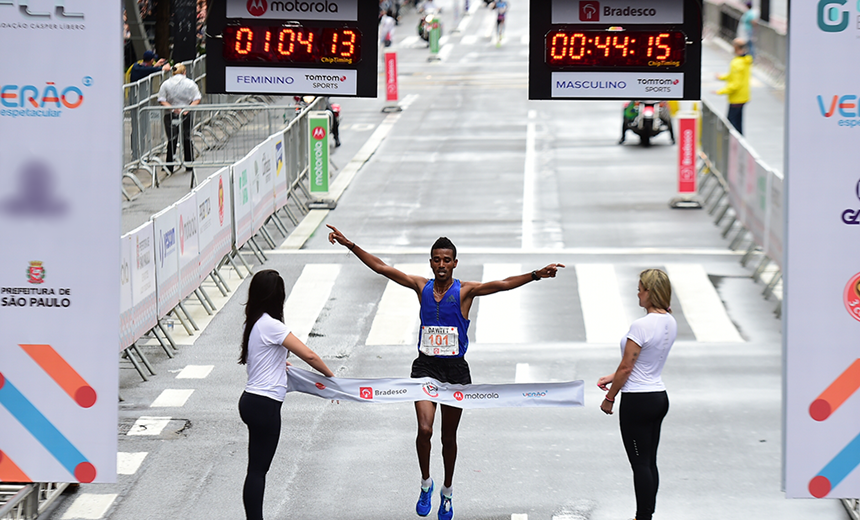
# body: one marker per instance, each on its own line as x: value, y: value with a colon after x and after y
x: 516, y: 185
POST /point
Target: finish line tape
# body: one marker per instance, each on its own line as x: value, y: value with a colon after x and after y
x: 400, y: 390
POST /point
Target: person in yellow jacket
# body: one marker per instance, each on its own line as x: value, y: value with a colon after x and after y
x: 737, y: 84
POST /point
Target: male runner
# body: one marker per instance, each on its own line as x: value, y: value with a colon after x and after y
x: 445, y: 304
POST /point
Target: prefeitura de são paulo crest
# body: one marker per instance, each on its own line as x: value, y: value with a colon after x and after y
x: 36, y: 273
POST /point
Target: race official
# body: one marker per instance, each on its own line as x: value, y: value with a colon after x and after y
x: 178, y: 91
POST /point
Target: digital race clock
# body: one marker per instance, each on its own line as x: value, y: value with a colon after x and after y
x: 250, y: 44
x: 324, y: 48
x: 645, y: 49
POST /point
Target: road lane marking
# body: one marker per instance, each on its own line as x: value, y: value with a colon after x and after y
x: 523, y: 374
x: 701, y: 304
x: 529, y: 183
x: 195, y: 372
x: 469, y: 39
x: 396, y: 320
x: 172, y: 398
x: 149, y: 426
x: 308, y: 297
x: 90, y: 506
x: 127, y: 463
x: 602, y: 310
x: 519, y: 516
x: 499, y: 315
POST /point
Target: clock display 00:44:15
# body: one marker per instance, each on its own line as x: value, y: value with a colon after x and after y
x: 625, y: 49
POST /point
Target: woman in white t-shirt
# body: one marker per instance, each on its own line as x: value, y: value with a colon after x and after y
x: 638, y: 378
x: 266, y: 343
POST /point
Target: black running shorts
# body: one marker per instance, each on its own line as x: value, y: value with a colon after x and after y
x: 443, y: 369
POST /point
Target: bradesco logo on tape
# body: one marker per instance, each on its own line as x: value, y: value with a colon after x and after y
x: 626, y: 12
x: 847, y: 107
x: 341, y: 10
x: 50, y: 100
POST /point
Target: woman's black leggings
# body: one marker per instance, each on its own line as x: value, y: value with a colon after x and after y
x: 641, y: 415
x: 263, y: 417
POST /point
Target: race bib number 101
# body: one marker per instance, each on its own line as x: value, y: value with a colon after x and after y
x: 439, y: 341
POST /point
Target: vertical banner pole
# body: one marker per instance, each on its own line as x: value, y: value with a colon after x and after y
x: 391, y: 93
x: 687, y: 153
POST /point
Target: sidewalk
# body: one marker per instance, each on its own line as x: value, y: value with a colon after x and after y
x: 764, y: 115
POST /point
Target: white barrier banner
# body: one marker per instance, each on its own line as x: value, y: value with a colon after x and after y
x: 189, y: 258
x: 215, y: 233
x: 166, y: 259
x: 61, y: 139
x: 126, y: 303
x: 821, y: 270
x: 243, y: 216
x: 401, y: 390
x: 281, y: 184
x: 143, y: 295
x: 262, y: 183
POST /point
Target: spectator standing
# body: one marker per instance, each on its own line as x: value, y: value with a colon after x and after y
x: 737, y: 84
x: 386, y: 29
x: 150, y: 64
x: 178, y: 91
x: 746, y: 23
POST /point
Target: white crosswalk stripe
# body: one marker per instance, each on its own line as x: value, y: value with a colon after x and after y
x: 497, y: 320
x: 602, y: 311
x: 308, y: 297
x: 396, y: 320
x: 701, y: 304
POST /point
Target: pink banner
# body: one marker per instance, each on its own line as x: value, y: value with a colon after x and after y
x: 391, y: 76
x: 687, y: 155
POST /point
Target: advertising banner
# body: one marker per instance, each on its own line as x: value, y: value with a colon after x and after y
x: 319, y: 82
x: 263, y: 183
x: 391, y: 76
x: 318, y: 128
x: 687, y: 125
x: 60, y: 280
x: 281, y: 183
x: 189, y: 257
x: 216, y: 236
x: 164, y: 227
x: 406, y: 390
x: 333, y: 10
x: 126, y: 305
x: 143, y: 284
x: 822, y: 253
x: 621, y: 85
x: 618, y: 12
x: 243, y: 216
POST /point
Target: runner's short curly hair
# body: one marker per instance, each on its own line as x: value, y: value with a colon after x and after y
x: 444, y: 243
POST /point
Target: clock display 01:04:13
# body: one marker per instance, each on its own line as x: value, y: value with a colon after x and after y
x: 652, y: 49
x: 291, y: 44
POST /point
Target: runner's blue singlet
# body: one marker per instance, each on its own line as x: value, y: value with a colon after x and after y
x: 444, y: 314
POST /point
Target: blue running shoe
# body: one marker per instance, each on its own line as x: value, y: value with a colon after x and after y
x: 446, y: 511
x: 424, y: 504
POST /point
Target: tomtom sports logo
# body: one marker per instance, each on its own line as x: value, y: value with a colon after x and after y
x: 318, y: 133
x: 846, y: 106
x: 832, y: 18
x: 458, y: 395
x: 851, y: 297
x: 430, y: 389
x: 49, y: 101
x: 365, y: 392
x: 260, y: 7
x: 320, y: 386
x: 589, y: 11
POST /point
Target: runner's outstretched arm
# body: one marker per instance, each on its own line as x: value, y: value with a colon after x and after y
x: 474, y: 289
x: 413, y: 282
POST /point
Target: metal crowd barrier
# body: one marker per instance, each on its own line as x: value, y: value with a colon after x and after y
x: 27, y: 501
x: 745, y: 197
x: 770, y: 44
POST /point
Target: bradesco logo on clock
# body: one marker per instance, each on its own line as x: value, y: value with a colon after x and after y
x: 627, y: 12
x: 338, y: 10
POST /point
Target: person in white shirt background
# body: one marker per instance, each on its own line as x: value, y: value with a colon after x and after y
x: 644, y: 402
x: 266, y: 344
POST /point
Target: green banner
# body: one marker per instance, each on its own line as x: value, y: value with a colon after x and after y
x: 435, y: 33
x: 318, y: 129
